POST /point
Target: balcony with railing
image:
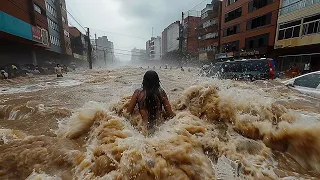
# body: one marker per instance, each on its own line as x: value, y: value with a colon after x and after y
x: 293, y: 5
x: 208, y: 8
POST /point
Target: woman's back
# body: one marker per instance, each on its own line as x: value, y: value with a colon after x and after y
x: 151, y: 100
x: 141, y: 101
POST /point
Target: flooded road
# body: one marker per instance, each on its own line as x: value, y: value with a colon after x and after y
x: 70, y: 128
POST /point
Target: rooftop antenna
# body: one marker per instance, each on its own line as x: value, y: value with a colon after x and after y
x: 152, y: 32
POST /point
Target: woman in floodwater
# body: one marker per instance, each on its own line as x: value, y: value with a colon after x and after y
x: 151, y: 100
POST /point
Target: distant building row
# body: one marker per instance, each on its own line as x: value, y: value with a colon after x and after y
x: 285, y: 30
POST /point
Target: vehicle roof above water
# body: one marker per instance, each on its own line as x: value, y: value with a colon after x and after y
x: 246, y: 60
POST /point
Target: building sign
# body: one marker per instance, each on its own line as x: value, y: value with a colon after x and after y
x: 247, y: 53
x: 36, y: 34
x: 45, y: 37
x: 203, y: 56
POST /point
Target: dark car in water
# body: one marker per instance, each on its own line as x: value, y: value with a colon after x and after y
x: 252, y: 69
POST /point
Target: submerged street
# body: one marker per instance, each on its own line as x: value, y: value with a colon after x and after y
x: 64, y: 128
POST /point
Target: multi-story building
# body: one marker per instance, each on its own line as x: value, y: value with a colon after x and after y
x: 190, y: 24
x: 79, y: 44
x: 104, y: 51
x: 170, y: 37
x: 138, y: 55
x: 153, y: 48
x: 248, y: 28
x: 298, y: 34
x: 208, y: 31
x: 64, y: 28
x: 23, y: 29
x: 54, y: 26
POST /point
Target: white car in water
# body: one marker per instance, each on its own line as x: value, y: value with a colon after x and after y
x: 307, y: 84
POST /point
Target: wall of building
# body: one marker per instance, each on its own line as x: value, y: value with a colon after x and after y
x: 39, y: 19
x: 105, y: 50
x: 64, y: 28
x: 298, y: 15
x: 170, y: 35
x: 54, y: 32
x: 157, y: 48
x: 208, y: 31
x: 15, y: 26
x: 242, y: 21
x: 164, y: 43
x: 191, y: 23
x: 17, y: 8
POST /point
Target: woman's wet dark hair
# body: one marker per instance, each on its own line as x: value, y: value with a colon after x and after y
x: 151, y: 85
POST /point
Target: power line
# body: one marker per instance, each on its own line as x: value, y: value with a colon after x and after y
x: 68, y: 7
x: 113, y: 49
x: 74, y: 18
x: 196, y: 5
x: 144, y: 38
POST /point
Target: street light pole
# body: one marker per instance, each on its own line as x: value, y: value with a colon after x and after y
x: 89, y: 49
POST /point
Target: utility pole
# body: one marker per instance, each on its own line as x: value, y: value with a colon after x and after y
x: 105, y: 57
x: 181, y: 38
x: 95, y: 40
x: 89, y: 49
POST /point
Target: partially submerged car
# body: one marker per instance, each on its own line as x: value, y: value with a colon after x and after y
x: 307, y: 84
x: 251, y: 69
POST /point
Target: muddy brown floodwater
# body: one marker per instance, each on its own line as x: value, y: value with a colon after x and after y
x: 70, y: 128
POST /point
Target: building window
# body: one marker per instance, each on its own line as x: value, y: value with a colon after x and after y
x: 257, y: 4
x: 53, y: 25
x: 231, y: 30
x: 230, y: 47
x: 311, y: 25
x: 259, y: 21
x: 257, y: 41
x: 55, y: 41
x: 293, y: 5
x: 204, y: 15
x: 66, y: 33
x: 289, y: 30
x: 209, y: 23
x: 210, y: 36
x: 37, y: 8
x: 63, y: 19
x: 233, y: 14
x: 228, y: 2
x: 51, y: 10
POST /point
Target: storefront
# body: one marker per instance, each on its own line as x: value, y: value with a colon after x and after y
x: 263, y: 52
x: 300, y: 55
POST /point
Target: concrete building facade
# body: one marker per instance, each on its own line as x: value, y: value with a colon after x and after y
x: 154, y: 48
x: 208, y: 31
x: 79, y: 45
x: 23, y: 29
x: 248, y: 28
x: 139, y: 55
x: 297, y: 38
x: 190, y: 25
x: 104, y: 51
x: 54, y: 26
x: 170, y: 37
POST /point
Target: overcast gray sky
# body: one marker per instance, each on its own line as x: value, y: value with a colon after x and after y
x: 134, y: 18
